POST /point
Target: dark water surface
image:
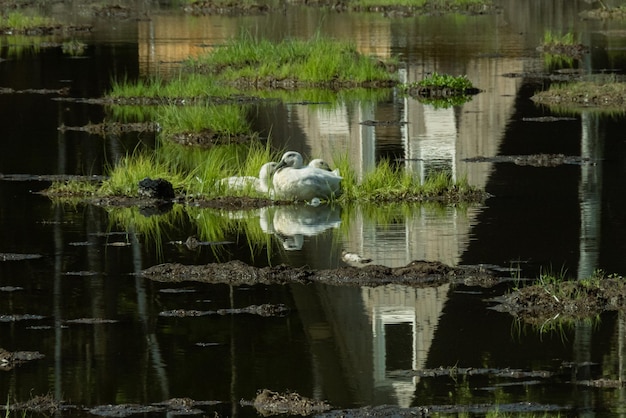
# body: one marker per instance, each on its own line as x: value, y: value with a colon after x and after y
x: 349, y: 346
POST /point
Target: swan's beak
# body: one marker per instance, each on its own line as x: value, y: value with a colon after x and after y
x: 280, y: 165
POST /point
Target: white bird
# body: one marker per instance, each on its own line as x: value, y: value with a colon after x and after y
x: 323, y: 165
x: 261, y: 184
x: 293, y: 181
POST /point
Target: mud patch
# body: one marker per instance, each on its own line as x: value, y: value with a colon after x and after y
x: 261, y: 310
x: 123, y: 410
x: 566, y: 300
x: 22, y: 317
x: 574, y: 51
x: 269, y: 403
x: 62, y: 92
x: 383, y: 123
x: 112, y: 128
x: 613, y: 13
x: 207, y: 138
x: 425, y: 411
x: 91, y: 321
x: 18, y: 257
x: 47, y: 30
x: 535, y: 160
x: 201, y: 8
x: 548, y: 119
x: 39, y: 404
x: 10, y: 288
x: 9, y: 360
x: 237, y: 273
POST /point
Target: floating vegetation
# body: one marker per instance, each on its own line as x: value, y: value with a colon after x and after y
x: 554, y: 297
x: 441, y: 90
x: 291, y: 63
x: 19, y: 23
x: 603, y: 93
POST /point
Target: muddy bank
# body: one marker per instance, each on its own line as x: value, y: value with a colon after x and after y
x: 611, y: 94
x: 534, y: 160
x: 237, y: 273
x: 566, y: 300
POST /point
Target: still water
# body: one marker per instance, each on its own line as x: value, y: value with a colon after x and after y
x: 349, y: 346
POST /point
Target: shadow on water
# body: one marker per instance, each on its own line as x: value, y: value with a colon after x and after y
x: 79, y: 324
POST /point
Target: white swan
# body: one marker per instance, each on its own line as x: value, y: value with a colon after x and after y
x: 293, y: 181
x: 261, y: 184
x: 323, y: 165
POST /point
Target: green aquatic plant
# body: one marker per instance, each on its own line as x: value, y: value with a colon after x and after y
x: 225, y: 120
x: 389, y: 182
x: 437, y: 80
x: 184, y: 86
x: 125, y: 176
x: 551, y: 39
x: 441, y: 90
x: 20, y: 22
x: 315, y: 61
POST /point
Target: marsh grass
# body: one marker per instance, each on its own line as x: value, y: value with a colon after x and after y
x: 317, y: 60
x: 21, y: 22
x: 224, y: 120
x: 389, y: 182
x: 602, y: 93
x: 419, y: 4
x: 183, y: 85
x: 551, y: 39
x: 125, y: 176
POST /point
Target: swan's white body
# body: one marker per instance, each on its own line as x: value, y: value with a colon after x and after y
x: 323, y: 165
x: 293, y: 181
x: 261, y: 184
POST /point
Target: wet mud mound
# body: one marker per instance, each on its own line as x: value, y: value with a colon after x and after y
x: 11, y: 359
x: 534, y: 160
x: 567, y: 300
x: 237, y: 273
x: 269, y: 403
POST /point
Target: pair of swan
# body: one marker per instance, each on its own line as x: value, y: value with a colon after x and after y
x: 290, y: 179
x: 293, y: 180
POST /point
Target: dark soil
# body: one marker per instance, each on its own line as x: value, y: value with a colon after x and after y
x: 535, y: 160
x: 566, y: 300
x: 10, y: 360
x: 574, y: 51
x: 237, y: 273
x: 273, y: 403
x: 112, y: 128
x: 260, y: 310
x: 210, y: 7
x: 439, y: 92
x: 615, y: 13
x: 207, y: 138
x: 47, y: 30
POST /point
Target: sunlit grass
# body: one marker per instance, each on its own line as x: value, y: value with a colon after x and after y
x: 223, y: 119
x: 551, y: 39
x: 183, y: 86
x: 21, y: 22
x: 124, y: 178
x: 317, y: 60
x: 388, y: 182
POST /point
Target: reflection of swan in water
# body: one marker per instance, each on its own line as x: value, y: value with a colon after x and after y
x: 260, y: 184
x: 293, y: 181
x: 292, y: 223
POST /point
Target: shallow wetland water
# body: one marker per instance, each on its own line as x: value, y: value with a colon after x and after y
x: 85, y: 331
